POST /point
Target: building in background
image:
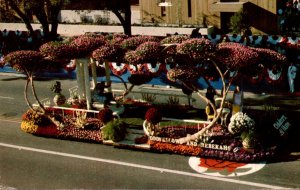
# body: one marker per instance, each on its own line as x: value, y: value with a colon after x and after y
x: 200, y: 13
x: 266, y: 16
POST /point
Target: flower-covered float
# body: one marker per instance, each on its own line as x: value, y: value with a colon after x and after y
x: 183, y: 62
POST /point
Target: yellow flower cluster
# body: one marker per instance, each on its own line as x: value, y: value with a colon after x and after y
x: 29, y: 127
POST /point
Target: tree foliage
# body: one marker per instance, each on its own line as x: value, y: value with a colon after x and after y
x: 240, y: 23
x: 123, y: 11
x: 46, y: 11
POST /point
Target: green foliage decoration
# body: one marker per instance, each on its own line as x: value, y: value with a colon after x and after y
x: 240, y: 22
x: 114, y: 130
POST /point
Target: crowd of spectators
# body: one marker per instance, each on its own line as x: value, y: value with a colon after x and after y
x: 19, y: 40
x: 290, y: 14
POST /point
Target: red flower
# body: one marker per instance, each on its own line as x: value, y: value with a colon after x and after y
x: 153, y: 115
x: 214, y: 164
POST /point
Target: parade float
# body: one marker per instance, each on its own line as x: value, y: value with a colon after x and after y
x: 182, y: 61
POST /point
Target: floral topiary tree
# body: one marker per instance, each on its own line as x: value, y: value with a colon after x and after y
x: 227, y: 59
x: 30, y: 62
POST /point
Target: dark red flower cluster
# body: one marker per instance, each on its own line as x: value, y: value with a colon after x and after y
x: 85, y: 44
x: 196, y: 49
x: 117, y: 38
x: 183, y: 73
x: 103, y: 53
x: 57, y: 50
x: 105, y: 115
x: 174, y: 39
x: 235, y: 55
x: 153, y: 115
x: 25, y: 60
x: 133, y: 42
x: 271, y: 56
x: 145, y: 52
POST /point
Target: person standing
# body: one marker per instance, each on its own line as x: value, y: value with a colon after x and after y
x: 291, y: 76
x: 238, y: 96
x: 210, y: 95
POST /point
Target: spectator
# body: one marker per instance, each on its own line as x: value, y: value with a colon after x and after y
x: 292, y: 70
x: 210, y: 95
x: 195, y: 33
x: 237, y: 105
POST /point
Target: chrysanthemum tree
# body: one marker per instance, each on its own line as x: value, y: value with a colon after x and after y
x: 30, y: 63
x: 228, y: 59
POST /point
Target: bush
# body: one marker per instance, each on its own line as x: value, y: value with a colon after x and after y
x: 114, y: 130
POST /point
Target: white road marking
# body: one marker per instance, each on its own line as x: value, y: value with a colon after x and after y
x: 12, y: 121
x: 260, y: 185
x: 5, y: 97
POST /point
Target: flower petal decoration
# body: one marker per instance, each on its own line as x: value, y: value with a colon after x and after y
x: 149, y: 51
x: 110, y: 53
x: 57, y: 50
x: 270, y: 57
x: 25, y: 60
x: 235, y: 55
x: 183, y: 73
x: 196, y: 49
x: 86, y: 44
x: 133, y: 42
x: 174, y: 39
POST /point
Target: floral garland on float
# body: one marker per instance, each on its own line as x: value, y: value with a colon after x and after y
x: 238, y: 142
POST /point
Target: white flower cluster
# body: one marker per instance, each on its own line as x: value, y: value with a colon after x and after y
x: 240, y: 122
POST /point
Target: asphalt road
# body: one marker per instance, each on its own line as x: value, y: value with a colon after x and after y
x: 31, y: 162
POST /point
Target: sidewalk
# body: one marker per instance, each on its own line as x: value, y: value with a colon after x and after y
x: 78, y: 29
